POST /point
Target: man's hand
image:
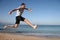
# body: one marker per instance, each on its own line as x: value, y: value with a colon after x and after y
x: 9, y: 12
x: 30, y: 9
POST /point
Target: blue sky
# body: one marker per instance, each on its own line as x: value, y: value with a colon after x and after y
x: 44, y: 12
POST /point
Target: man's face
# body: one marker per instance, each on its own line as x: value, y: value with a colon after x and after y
x: 22, y: 6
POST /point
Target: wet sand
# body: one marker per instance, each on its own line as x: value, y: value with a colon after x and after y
x: 9, y: 36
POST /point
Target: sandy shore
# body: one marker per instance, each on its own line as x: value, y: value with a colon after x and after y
x: 8, y: 36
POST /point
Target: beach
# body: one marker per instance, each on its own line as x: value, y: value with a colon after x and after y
x: 24, y: 32
x: 9, y: 36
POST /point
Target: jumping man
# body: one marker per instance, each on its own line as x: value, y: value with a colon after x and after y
x: 19, y: 18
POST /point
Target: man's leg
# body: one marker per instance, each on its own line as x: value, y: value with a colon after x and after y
x: 12, y: 26
x: 17, y: 22
x: 15, y: 25
x: 29, y: 23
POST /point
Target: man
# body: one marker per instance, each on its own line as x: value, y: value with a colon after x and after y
x: 19, y: 18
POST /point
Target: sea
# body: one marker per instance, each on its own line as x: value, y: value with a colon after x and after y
x: 41, y: 30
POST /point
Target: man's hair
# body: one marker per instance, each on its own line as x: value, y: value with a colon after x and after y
x: 23, y: 4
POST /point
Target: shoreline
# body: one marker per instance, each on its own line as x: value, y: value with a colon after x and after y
x: 10, y: 36
x: 30, y: 34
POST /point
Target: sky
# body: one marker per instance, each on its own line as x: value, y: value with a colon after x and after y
x: 44, y: 12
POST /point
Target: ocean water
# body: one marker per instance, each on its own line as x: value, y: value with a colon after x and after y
x: 41, y: 30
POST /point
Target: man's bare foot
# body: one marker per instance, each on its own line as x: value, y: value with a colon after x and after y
x: 5, y: 26
x: 34, y: 27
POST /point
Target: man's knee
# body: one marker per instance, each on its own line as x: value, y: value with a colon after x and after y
x: 16, y: 25
x: 25, y: 19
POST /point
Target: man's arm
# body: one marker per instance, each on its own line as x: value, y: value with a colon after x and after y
x: 10, y: 12
x: 29, y: 9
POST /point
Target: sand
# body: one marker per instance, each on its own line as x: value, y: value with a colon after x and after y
x: 9, y: 36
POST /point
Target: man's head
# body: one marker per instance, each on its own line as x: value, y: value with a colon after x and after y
x: 23, y: 5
